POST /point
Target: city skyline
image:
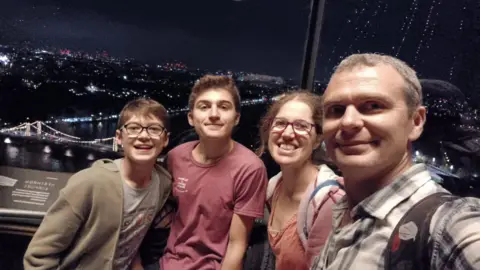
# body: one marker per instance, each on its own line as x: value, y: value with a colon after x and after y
x: 254, y: 36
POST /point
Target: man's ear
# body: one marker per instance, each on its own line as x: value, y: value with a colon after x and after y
x: 237, y: 118
x: 419, y: 117
x: 190, y: 118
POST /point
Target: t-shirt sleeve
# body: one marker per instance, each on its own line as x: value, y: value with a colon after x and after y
x: 250, y: 192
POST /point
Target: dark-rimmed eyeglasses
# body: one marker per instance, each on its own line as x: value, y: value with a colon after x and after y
x: 300, y: 127
x: 134, y: 129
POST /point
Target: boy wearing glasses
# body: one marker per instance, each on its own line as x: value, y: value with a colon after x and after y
x: 104, y: 212
x: 219, y: 184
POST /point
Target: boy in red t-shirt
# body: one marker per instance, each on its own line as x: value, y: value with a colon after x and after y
x: 219, y: 184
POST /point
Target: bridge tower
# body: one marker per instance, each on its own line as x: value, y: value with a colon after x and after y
x: 27, y: 129
x: 114, y: 145
x: 39, y: 128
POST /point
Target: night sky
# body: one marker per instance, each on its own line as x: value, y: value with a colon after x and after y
x: 247, y: 35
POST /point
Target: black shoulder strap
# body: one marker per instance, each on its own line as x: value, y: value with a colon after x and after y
x: 407, y: 246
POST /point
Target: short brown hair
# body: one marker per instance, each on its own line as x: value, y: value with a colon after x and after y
x: 214, y: 82
x: 412, y: 90
x: 143, y: 107
x: 313, y: 101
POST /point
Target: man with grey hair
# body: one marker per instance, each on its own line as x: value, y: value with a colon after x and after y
x: 372, y: 113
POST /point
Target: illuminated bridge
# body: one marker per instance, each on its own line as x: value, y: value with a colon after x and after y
x: 41, y: 131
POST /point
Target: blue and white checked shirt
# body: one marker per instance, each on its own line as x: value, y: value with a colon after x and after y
x: 455, y: 227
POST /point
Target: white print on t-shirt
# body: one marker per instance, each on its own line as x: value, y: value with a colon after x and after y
x: 181, y: 184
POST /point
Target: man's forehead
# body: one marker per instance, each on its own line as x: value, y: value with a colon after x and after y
x: 358, y: 75
x: 216, y: 95
x: 363, y: 71
x: 363, y: 82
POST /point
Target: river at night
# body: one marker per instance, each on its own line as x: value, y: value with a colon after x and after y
x: 62, y: 157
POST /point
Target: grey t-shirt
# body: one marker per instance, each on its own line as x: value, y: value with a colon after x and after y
x: 139, y: 207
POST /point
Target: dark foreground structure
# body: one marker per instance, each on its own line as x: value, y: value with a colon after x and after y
x: 32, y: 173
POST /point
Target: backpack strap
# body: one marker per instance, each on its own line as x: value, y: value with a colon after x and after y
x: 407, y: 247
x: 322, y: 185
x: 312, y: 196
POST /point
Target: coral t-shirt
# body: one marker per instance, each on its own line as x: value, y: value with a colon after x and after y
x: 285, y: 243
x: 208, y: 196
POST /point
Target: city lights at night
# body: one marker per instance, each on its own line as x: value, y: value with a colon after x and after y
x: 67, y: 68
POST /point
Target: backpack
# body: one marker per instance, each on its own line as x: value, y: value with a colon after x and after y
x: 326, y: 186
x: 311, y: 209
x: 407, y: 247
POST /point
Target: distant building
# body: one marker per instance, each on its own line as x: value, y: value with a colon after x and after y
x: 5, y: 62
x: 4, y: 59
x: 174, y: 66
x: 261, y: 79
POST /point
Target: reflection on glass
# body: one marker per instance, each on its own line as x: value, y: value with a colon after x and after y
x: 40, y: 155
x: 56, y: 165
x: 70, y: 165
x: 12, y: 152
x: 46, y: 159
x: 7, y: 140
x: 69, y: 153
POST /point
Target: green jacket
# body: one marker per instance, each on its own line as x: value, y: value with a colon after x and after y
x: 81, y: 228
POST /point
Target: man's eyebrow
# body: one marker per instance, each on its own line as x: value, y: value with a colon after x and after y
x: 358, y: 98
x: 222, y: 101
x: 202, y: 101
x: 225, y: 102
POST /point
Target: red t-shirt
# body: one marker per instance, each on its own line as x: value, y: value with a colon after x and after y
x: 208, y: 196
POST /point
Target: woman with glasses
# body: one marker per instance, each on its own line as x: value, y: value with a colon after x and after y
x: 300, y: 209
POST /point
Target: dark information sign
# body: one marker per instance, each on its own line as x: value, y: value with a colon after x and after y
x: 25, y: 189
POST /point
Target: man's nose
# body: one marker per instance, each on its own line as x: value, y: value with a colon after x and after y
x: 214, y: 112
x: 352, y: 119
